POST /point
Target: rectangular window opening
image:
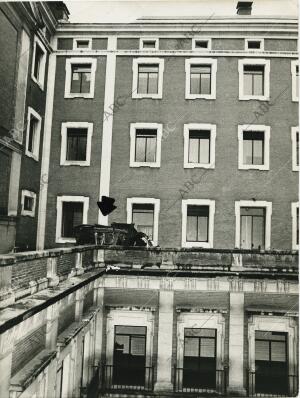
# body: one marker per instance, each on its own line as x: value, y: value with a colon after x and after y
x: 197, y: 223
x: 72, y: 215
x: 200, y: 79
x: 145, y: 145
x: 253, y: 147
x: 254, y: 79
x: 253, y: 220
x: 81, y: 78
x: 76, y: 144
x: 148, y: 79
x: 143, y: 218
x: 199, y: 146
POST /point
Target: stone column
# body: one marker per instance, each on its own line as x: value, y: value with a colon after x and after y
x: 52, y: 326
x: 6, y: 348
x: 236, y: 345
x: 99, y: 302
x: 165, y: 338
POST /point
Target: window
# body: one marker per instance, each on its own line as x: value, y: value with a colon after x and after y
x: 76, y: 143
x: 145, y: 144
x: 28, y: 202
x: 254, y: 147
x: 295, y: 226
x: 71, y: 211
x: 201, y: 44
x: 295, y: 148
x: 149, y: 43
x: 253, y: 224
x: 147, y: 78
x: 200, y: 78
x: 254, y: 79
x: 197, y: 222
x: 143, y: 218
x: 254, y: 44
x: 80, y: 77
x: 199, y: 145
x: 38, y: 63
x: 82, y: 44
x: 295, y: 80
x: 33, y: 133
x: 144, y: 213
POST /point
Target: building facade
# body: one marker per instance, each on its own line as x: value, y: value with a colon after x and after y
x: 191, y: 125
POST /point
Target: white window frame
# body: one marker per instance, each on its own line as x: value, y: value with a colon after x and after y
x: 198, y: 61
x: 36, y: 147
x: 267, y: 132
x: 195, y: 39
x: 294, y: 131
x: 153, y: 201
x: 294, y: 207
x: 133, y: 128
x: 252, y: 203
x: 88, y: 39
x: 63, y: 151
x: 198, y: 202
x: 77, y: 61
x: 135, y: 69
x: 261, y: 40
x: 149, y: 38
x: 30, y: 213
x: 59, y: 206
x: 294, y: 64
x: 41, y: 81
x: 186, y: 134
x: 253, y: 61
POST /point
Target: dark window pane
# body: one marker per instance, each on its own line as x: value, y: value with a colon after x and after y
x: 38, y: 61
x: 207, y: 348
x: 297, y: 149
x: 201, y: 44
x: 254, y: 44
x: 262, y: 350
x: 131, y: 330
x: 253, y: 79
x: 76, y: 144
x: 149, y: 44
x: 191, y: 347
x: 278, y: 351
x: 32, y: 134
x: 199, y: 332
x: 28, y: 203
x: 197, y: 223
x: 82, y: 43
x: 72, y: 213
x: 81, y: 78
x: 138, y: 346
x: 253, y: 147
x: 143, y: 218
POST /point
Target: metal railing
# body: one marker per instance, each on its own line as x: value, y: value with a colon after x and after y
x: 273, y: 386
x: 191, y: 381
x: 127, y: 378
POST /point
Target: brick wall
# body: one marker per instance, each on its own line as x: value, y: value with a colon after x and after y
x: 65, y: 263
x: 24, y: 272
x: 87, y: 258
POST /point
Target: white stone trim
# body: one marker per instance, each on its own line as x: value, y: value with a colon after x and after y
x: 149, y: 38
x: 60, y: 200
x: 36, y: 146
x: 135, y: 69
x: 254, y: 61
x: 202, y: 321
x: 88, y: 39
x: 199, y: 126
x: 124, y: 317
x: 252, y: 203
x: 254, y: 38
x: 294, y: 131
x: 254, y: 127
x: 63, y: 149
x: 133, y: 128
x: 30, y: 213
x: 107, y: 127
x: 294, y: 80
x: 294, y: 207
x: 41, y: 81
x: 192, y: 61
x: 199, y: 38
x: 274, y: 324
x: 156, y: 203
x: 198, y: 202
x: 80, y: 60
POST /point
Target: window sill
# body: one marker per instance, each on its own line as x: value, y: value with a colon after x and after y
x: 40, y: 84
x: 74, y: 163
x: 65, y: 240
x: 205, y: 245
x: 254, y: 97
x: 32, y: 155
x: 199, y: 166
x: 254, y: 167
x: 86, y: 95
x: 27, y: 213
x: 196, y: 96
x: 149, y: 96
x: 152, y: 165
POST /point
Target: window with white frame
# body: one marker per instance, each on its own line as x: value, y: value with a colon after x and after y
x: 295, y: 225
x: 197, y: 222
x: 71, y: 211
x: 28, y: 203
x: 199, y: 145
x: 295, y: 148
x: 147, y: 79
x: 254, y: 147
x: 254, y: 79
x: 200, y: 78
x: 76, y: 139
x: 33, y: 132
x: 145, y: 144
x: 144, y: 213
x: 253, y: 225
x: 254, y: 44
x: 38, y: 63
x: 80, y: 77
x: 149, y: 43
x: 295, y: 80
x: 201, y: 44
x: 82, y: 44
